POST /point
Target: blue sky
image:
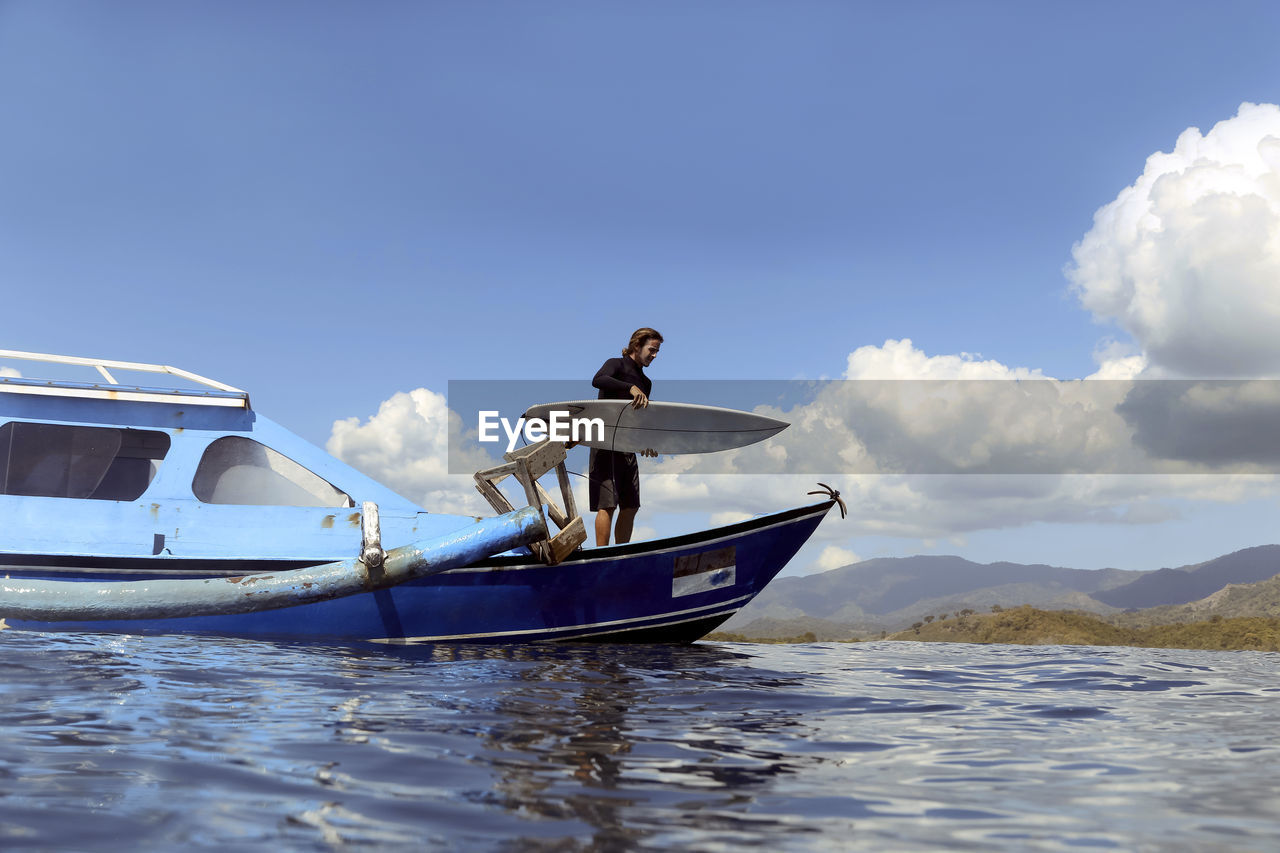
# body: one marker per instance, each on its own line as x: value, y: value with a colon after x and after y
x: 330, y: 203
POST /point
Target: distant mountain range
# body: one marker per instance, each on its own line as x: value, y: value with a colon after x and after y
x: 1190, y: 583
x: 891, y: 593
x: 1232, y: 601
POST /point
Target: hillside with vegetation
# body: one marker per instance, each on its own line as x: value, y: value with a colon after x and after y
x: 1054, y: 609
x: 1231, y: 601
x: 1030, y: 626
x: 889, y: 593
x: 881, y: 596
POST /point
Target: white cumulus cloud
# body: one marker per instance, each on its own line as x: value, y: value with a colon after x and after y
x: 1187, y: 259
x: 899, y: 359
x: 405, y: 445
x: 834, y: 557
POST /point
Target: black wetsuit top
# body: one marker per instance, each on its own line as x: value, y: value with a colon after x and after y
x: 617, y: 375
x: 614, y: 478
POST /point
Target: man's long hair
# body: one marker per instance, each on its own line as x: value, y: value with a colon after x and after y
x: 638, y: 338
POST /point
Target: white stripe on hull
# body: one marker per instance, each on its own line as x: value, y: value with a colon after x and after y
x: 590, y: 627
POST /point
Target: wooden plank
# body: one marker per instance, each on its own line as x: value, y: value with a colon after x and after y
x: 496, y: 499
x: 530, y: 487
x: 539, y: 458
x: 552, y: 509
x: 566, y: 491
x: 567, y: 541
x: 498, y: 471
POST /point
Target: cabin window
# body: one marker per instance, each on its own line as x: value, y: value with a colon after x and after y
x: 59, y: 461
x: 237, y: 470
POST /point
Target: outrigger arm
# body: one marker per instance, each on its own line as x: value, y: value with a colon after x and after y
x: 77, y: 601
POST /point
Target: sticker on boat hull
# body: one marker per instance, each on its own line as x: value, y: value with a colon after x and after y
x: 694, y: 573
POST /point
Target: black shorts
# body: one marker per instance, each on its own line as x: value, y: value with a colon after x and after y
x: 614, y: 480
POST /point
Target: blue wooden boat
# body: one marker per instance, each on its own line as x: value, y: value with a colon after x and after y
x: 183, y: 510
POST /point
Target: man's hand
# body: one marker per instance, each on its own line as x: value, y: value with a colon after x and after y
x: 638, y: 399
x: 649, y: 451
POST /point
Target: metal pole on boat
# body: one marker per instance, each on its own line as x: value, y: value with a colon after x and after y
x: 88, y: 601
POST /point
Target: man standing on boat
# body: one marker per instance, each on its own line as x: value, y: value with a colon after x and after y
x: 614, y: 480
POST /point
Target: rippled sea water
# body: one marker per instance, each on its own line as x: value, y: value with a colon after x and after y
x: 124, y: 742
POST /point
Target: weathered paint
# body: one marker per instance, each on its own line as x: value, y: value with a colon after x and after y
x: 56, y: 601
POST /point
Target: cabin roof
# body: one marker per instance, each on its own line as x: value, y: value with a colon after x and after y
x: 196, y: 391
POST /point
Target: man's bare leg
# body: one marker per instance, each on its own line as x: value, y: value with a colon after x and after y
x: 626, y: 520
x: 604, y: 521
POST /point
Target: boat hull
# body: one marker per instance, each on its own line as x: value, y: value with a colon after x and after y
x: 671, y: 590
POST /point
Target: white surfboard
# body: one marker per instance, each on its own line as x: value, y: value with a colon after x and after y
x: 664, y: 427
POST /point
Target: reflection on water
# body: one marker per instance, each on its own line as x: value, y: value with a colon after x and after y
x: 147, y: 743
